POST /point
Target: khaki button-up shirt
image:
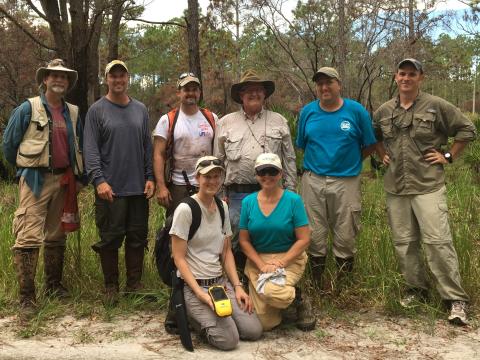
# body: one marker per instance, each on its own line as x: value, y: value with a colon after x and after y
x: 408, y: 134
x: 239, y: 140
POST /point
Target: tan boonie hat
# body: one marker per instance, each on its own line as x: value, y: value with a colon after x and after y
x: 57, y: 65
x: 207, y: 163
x: 113, y: 63
x: 267, y: 160
x: 186, y: 78
x: 328, y: 71
x: 416, y: 64
x: 251, y: 77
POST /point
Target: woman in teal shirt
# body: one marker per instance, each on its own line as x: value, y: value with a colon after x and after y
x: 274, y: 234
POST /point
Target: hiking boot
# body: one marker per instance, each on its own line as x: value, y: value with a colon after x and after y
x: 109, y: 262
x: 25, y: 261
x: 305, y: 317
x: 289, y: 314
x: 53, y: 258
x: 134, y: 267
x: 458, y: 313
x: 317, y: 267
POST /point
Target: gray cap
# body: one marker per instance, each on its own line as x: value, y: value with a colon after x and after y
x: 328, y: 71
x: 414, y: 62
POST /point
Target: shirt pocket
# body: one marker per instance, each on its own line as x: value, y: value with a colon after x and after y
x: 423, y: 126
x: 233, y: 147
x: 274, y: 140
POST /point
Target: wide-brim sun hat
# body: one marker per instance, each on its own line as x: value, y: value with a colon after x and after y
x: 268, y: 160
x: 251, y: 77
x: 57, y: 65
x: 207, y: 163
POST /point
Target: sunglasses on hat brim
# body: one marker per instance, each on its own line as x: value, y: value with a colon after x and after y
x: 205, y: 163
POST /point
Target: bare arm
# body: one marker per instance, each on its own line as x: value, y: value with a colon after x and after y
x: 436, y: 157
x: 303, y: 240
x: 159, y: 159
x: 249, y: 250
x: 369, y: 150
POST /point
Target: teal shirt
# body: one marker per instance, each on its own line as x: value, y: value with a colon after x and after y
x: 274, y: 233
x: 13, y: 136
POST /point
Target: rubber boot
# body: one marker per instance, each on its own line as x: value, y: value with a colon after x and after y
x: 53, y: 259
x: 25, y: 261
x: 305, y: 317
x: 134, y: 267
x: 109, y: 262
x: 317, y: 267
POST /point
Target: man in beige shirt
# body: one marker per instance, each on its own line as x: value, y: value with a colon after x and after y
x: 243, y: 135
x: 415, y: 127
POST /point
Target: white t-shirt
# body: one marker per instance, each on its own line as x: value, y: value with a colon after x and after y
x: 192, y: 139
x: 205, y: 248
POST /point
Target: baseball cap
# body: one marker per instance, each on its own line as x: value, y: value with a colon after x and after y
x: 207, y: 163
x: 267, y: 160
x: 416, y: 64
x: 185, y: 78
x: 113, y: 63
x: 328, y: 71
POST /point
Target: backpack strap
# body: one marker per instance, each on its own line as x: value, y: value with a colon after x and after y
x: 197, y: 214
x: 221, y: 209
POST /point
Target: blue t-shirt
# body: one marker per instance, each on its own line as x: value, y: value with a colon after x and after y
x: 333, y: 141
x: 276, y: 232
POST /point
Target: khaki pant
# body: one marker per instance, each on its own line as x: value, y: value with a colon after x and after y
x: 332, y: 203
x: 275, y: 298
x: 38, y: 220
x: 417, y: 219
x: 222, y: 332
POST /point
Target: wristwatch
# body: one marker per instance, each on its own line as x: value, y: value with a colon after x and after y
x: 448, y: 157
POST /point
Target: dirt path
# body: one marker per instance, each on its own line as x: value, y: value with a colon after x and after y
x: 141, y: 336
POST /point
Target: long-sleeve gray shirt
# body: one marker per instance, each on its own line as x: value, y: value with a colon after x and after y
x: 117, y: 146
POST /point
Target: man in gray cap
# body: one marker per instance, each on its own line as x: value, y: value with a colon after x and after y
x: 182, y: 136
x: 43, y: 140
x: 335, y: 134
x: 415, y: 128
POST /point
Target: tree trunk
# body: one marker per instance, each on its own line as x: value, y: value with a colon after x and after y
x: 113, y: 34
x: 342, y: 48
x: 192, y: 36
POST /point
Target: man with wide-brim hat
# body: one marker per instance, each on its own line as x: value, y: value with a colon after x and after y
x: 242, y: 136
x: 43, y: 140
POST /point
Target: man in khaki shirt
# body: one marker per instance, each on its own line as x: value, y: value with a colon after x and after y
x: 243, y: 135
x: 415, y: 128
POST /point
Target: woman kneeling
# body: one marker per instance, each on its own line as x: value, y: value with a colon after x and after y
x: 202, y: 260
x: 274, y: 234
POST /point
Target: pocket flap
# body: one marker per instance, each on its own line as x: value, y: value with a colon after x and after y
x: 20, y: 211
x: 32, y: 147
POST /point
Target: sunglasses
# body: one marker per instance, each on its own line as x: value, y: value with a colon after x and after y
x: 185, y: 74
x: 205, y: 163
x: 270, y: 171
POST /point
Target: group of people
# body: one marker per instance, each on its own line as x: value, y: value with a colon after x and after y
x: 262, y: 226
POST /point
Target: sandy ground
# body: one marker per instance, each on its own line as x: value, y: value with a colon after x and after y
x: 141, y: 336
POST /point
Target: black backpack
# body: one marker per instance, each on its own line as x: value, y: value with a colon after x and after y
x: 163, y: 250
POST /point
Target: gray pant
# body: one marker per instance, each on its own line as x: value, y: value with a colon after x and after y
x: 222, y: 332
x: 417, y: 219
x: 332, y: 203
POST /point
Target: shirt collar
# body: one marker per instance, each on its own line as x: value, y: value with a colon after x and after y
x: 256, y: 117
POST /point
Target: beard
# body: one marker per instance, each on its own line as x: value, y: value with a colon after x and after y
x: 58, y: 89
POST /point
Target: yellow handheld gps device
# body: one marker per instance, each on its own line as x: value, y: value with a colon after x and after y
x: 221, y: 302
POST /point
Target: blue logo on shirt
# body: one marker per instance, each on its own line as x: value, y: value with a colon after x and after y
x: 345, y: 125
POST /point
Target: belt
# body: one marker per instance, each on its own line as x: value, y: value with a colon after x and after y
x: 243, y: 188
x: 54, y: 171
x: 209, y: 282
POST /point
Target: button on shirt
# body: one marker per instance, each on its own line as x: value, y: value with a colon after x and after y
x: 239, y: 140
x: 408, y: 134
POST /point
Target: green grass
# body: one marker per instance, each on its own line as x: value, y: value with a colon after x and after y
x: 376, y: 283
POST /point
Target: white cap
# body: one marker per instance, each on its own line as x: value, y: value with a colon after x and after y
x: 267, y: 160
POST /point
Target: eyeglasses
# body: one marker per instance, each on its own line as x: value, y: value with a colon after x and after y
x: 185, y: 74
x: 270, y: 171
x: 205, y: 163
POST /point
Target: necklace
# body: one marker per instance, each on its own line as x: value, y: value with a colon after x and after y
x: 264, y: 132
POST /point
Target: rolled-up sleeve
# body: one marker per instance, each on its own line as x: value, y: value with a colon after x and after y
x: 13, y: 135
x: 458, y: 125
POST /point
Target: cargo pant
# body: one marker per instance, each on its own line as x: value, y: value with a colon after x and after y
x: 417, y: 219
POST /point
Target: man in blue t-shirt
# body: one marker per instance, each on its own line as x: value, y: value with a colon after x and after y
x: 336, y: 134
